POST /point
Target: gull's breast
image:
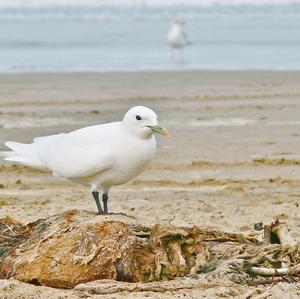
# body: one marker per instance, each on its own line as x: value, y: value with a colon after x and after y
x: 130, y: 160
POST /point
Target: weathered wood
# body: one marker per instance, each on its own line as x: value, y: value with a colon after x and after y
x: 78, y: 247
x: 283, y: 233
x: 277, y: 233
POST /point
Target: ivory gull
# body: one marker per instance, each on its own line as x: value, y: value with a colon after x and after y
x: 99, y: 156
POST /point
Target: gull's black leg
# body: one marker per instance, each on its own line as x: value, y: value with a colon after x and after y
x: 96, y: 197
x: 105, y: 200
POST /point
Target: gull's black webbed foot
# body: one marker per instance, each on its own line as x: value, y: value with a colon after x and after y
x: 96, y: 197
x: 105, y: 200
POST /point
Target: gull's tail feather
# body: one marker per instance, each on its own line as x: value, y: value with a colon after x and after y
x: 7, y: 154
x: 25, y: 154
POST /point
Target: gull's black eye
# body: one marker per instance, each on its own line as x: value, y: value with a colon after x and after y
x: 138, y: 117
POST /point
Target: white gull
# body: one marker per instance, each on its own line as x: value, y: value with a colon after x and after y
x: 99, y: 156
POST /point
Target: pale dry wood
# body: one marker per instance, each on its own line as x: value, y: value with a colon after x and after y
x: 78, y: 247
x: 283, y: 234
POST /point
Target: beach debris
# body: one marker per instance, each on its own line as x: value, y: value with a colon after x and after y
x: 258, y: 226
x: 278, y: 232
x: 77, y: 248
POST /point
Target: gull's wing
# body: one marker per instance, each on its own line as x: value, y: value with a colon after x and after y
x: 83, y: 152
x: 28, y: 154
x: 77, y: 161
x: 80, y: 153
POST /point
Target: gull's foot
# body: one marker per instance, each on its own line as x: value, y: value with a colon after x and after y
x: 120, y: 213
x: 114, y: 214
x: 105, y: 200
x: 96, y: 197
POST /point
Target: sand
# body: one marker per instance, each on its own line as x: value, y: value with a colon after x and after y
x: 232, y: 160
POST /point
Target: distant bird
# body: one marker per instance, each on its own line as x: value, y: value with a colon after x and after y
x: 99, y: 156
x: 176, y: 37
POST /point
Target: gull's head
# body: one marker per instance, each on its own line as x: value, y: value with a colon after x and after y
x: 142, y: 122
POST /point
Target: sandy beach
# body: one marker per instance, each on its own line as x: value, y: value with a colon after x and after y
x: 232, y: 160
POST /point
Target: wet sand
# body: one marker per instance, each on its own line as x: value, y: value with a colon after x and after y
x: 232, y: 160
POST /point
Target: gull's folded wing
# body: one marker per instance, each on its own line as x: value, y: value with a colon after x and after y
x: 81, y: 153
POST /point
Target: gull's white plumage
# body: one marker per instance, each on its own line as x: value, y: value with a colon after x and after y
x: 101, y: 156
x: 176, y: 36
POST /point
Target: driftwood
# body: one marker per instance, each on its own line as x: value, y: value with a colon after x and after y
x: 78, y: 247
x: 278, y: 260
x: 278, y: 232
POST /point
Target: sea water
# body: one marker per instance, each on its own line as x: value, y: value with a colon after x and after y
x: 130, y: 35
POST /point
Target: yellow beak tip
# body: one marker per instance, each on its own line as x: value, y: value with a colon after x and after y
x: 160, y: 130
x: 166, y: 133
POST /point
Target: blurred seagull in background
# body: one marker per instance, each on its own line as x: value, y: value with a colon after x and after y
x: 99, y: 156
x: 177, y: 38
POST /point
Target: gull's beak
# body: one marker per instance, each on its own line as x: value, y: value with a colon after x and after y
x: 159, y: 130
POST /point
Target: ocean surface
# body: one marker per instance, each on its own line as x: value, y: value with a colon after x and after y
x: 130, y: 35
